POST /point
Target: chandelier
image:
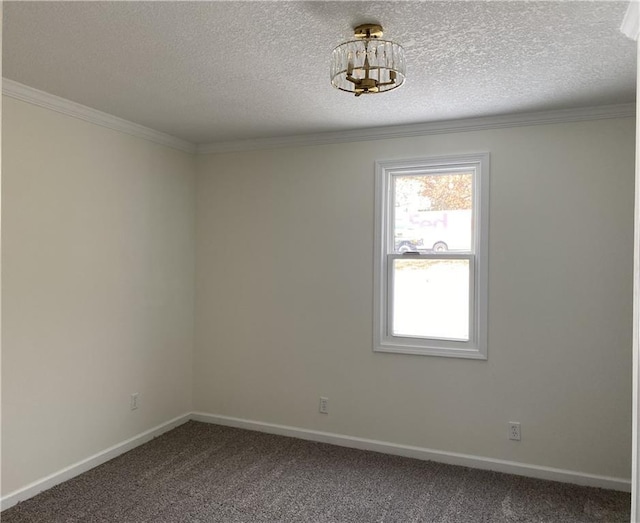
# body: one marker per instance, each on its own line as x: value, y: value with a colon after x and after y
x: 367, y: 64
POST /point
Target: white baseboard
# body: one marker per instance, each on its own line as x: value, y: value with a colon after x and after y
x: 78, y: 468
x: 452, y: 458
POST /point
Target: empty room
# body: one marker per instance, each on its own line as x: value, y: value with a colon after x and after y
x: 318, y: 261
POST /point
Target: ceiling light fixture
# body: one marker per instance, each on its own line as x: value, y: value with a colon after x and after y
x: 367, y: 64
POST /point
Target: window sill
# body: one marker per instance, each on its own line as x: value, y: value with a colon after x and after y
x: 471, y: 354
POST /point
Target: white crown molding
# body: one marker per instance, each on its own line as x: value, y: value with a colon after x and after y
x: 631, y: 24
x: 404, y: 131
x: 43, y: 99
x: 55, y: 103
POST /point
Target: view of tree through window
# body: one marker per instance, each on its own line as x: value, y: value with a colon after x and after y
x: 433, y: 212
x: 431, y: 296
x: 448, y: 191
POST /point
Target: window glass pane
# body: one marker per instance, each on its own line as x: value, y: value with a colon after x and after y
x: 433, y: 212
x: 431, y: 298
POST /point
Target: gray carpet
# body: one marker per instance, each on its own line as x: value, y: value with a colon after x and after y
x: 201, y: 473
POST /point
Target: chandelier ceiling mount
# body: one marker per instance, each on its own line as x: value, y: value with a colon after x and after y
x: 368, y: 64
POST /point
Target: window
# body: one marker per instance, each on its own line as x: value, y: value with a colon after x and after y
x: 431, y: 251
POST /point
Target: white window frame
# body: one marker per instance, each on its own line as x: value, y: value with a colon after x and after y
x: 383, y: 340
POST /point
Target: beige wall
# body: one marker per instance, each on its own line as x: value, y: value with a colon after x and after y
x: 98, y: 283
x: 284, y: 298
x: 97, y: 300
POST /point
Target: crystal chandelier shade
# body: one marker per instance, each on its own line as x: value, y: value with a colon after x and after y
x: 368, y: 64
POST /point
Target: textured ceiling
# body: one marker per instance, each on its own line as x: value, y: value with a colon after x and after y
x: 218, y: 71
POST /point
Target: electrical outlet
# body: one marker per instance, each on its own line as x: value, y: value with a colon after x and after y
x: 324, y: 405
x: 134, y: 401
x: 514, y: 430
